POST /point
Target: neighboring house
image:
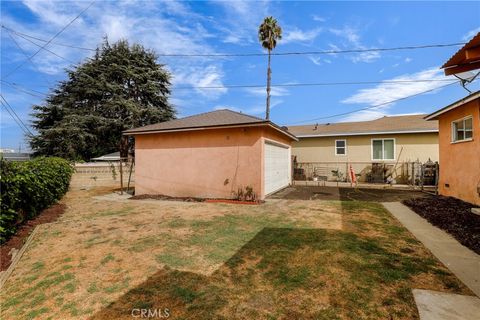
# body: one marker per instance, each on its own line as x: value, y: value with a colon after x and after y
x: 16, y: 156
x: 367, y: 144
x: 112, y: 157
x: 212, y: 155
x: 459, y: 139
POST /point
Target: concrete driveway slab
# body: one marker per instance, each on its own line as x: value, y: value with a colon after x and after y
x: 433, y: 305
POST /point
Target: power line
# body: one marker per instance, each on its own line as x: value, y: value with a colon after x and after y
x: 233, y: 86
x: 21, y: 34
x: 48, y: 50
x: 241, y: 86
x: 259, y: 54
x: 31, y: 92
x: 374, y: 106
x: 49, y: 41
x: 15, y: 116
x: 313, y: 52
x: 26, y: 55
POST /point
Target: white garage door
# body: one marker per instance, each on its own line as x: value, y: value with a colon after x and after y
x: 277, y: 167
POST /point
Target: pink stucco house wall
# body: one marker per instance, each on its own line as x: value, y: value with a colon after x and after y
x: 210, y: 155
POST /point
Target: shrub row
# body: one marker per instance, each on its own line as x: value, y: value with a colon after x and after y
x: 29, y: 187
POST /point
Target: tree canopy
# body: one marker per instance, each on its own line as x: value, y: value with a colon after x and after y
x: 122, y: 86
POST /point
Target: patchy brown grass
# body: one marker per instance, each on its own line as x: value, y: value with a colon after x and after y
x: 15, y: 243
x: 283, y: 259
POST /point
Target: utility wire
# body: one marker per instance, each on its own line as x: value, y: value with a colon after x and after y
x: 23, y: 35
x: 374, y: 106
x: 49, y: 41
x: 30, y: 92
x: 259, y: 54
x: 15, y: 116
x: 313, y: 52
x: 240, y: 86
x: 233, y: 86
x: 38, y: 45
x: 27, y: 56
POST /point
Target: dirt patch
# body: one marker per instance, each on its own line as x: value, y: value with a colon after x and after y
x: 18, y: 239
x: 451, y: 215
x: 346, y: 194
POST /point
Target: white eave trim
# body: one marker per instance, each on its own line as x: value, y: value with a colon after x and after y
x: 454, y: 105
x: 340, y: 134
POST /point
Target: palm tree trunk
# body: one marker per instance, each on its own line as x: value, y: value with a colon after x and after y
x: 269, y: 77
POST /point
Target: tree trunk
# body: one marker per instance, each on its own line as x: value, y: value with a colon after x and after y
x: 269, y: 78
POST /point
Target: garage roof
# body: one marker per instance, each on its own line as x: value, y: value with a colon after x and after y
x: 384, y: 125
x: 209, y: 120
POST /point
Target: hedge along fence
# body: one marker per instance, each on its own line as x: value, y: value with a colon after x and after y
x: 29, y: 187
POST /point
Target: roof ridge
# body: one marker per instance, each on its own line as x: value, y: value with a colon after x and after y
x: 349, y: 122
x: 241, y: 113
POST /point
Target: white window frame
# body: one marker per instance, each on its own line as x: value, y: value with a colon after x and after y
x: 383, y: 149
x: 345, y: 147
x: 454, y: 131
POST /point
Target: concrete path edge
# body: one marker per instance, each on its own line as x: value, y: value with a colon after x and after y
x: 463, y: 262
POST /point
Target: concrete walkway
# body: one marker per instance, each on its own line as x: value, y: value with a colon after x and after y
x: 433, y: 305
x: 463, y: 262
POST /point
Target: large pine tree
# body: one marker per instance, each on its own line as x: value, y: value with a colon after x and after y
x: 122, y: 86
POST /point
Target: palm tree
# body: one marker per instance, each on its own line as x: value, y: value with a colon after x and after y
x: 268, y: 34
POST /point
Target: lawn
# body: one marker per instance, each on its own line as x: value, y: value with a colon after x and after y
x: 283, y: 259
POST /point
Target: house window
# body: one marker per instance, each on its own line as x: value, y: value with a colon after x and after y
x: 383, y: 149
x: 462, y: 130
x: 340, y: 147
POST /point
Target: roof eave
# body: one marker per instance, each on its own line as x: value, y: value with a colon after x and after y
x: 253, y: 124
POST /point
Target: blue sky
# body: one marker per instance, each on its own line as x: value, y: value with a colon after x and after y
x: 203, y: 27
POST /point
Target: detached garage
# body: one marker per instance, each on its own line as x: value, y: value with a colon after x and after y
x: 212, y: 155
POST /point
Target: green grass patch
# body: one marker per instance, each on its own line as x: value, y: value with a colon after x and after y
x: 109, y: 257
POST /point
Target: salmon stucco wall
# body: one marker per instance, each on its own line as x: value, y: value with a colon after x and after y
x: 460, y: 161
x: 203, y: 163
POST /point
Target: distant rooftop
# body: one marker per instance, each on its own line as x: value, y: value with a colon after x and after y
x: 384, y: 125
x: 115, y: 156
x: 16, y: 156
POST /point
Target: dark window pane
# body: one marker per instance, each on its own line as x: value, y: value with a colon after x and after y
x: 460, y: 135
x: 377, y: 149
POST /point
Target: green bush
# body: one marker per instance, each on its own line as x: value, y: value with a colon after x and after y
x: 29, y: 187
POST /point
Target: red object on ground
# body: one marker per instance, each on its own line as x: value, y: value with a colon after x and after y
x: 353, y: 177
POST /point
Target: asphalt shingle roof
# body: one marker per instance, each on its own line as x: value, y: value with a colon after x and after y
x: 394, y: 124
x: 217, y: 118
x: 208, y: 119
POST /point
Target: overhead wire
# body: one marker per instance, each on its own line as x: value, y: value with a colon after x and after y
x: 372, y: 107
x: 49, y: 41
x: 258, y: 54
x: 15, y: 116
